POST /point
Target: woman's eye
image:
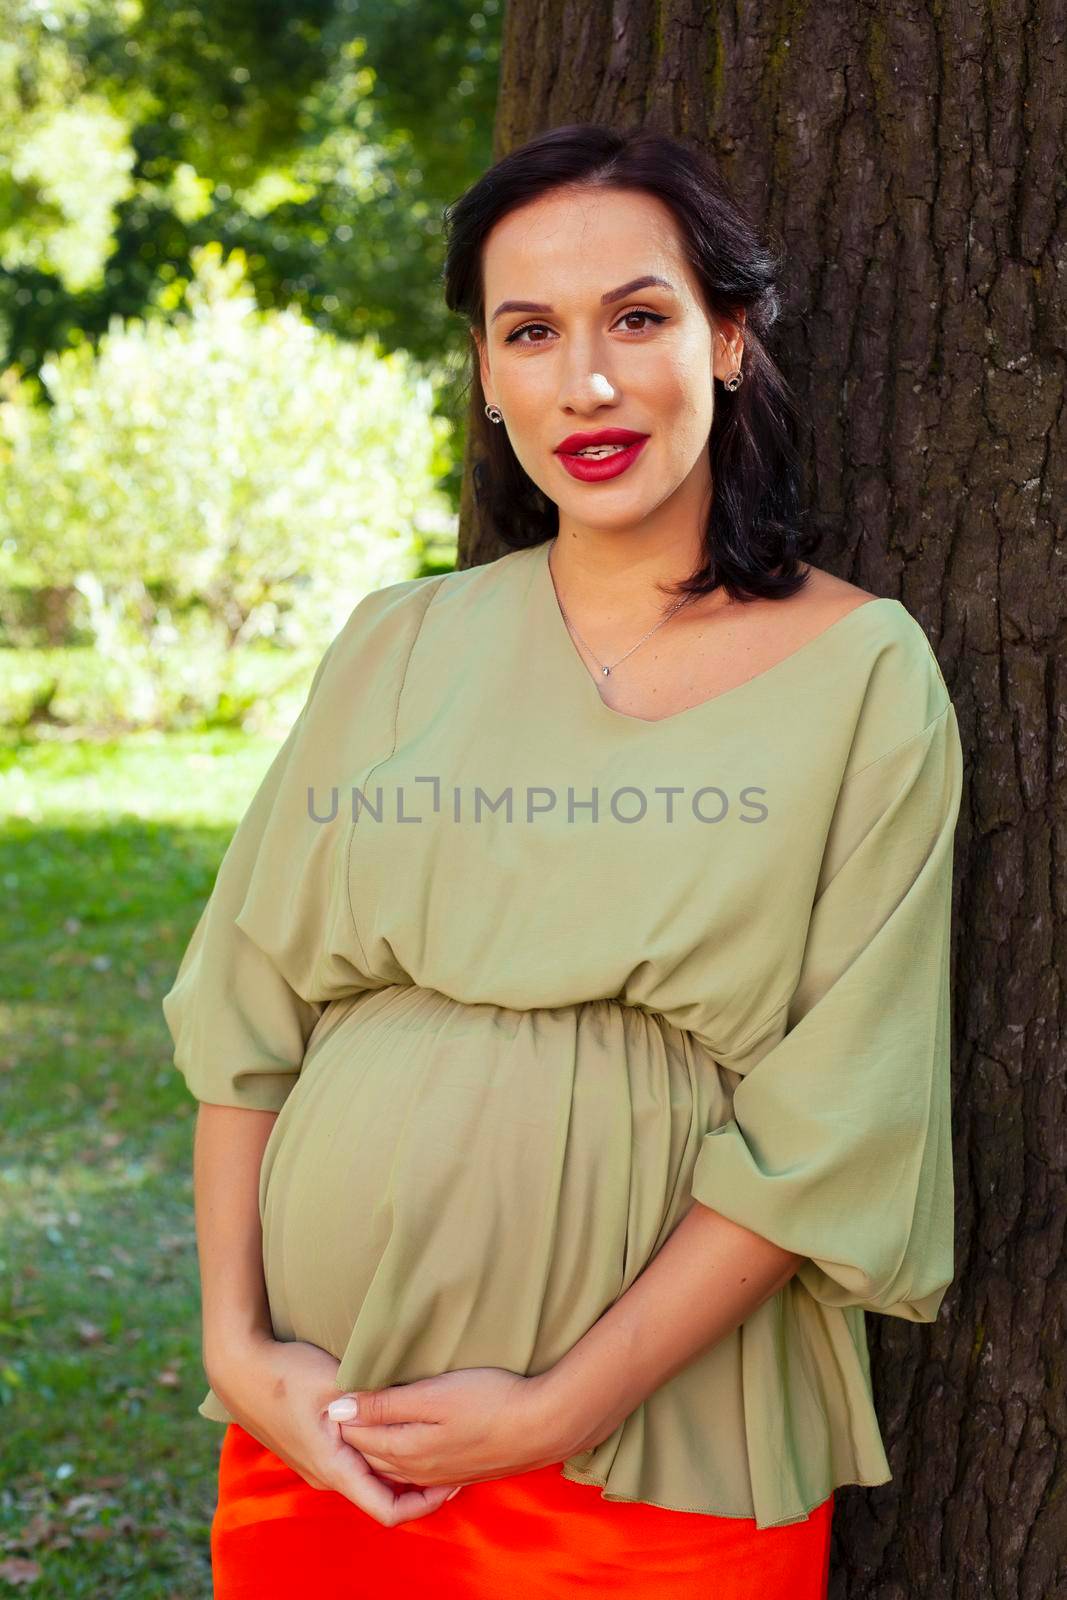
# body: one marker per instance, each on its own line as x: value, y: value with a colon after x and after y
x: 528, y: 327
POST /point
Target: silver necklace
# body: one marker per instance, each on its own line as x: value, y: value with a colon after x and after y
x: 607, y: 671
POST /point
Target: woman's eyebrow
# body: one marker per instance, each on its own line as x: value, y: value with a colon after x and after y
x: 649, y: 281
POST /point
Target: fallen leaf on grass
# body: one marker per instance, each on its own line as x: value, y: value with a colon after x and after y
x: 15, y: 1570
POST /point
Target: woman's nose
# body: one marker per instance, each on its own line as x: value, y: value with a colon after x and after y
x: 594, y: 388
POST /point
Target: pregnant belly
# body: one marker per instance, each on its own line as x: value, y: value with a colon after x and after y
x: 453, y: 1185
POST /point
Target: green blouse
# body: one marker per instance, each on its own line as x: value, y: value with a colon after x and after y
x: 524, y: 976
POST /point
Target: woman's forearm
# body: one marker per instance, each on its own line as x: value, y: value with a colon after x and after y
x: 708, y: 1277
x: 227, y: 1155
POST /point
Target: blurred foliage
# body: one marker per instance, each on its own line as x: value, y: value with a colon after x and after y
x: 223, y: 476
x: 323, y: 137
x: 231, y: 396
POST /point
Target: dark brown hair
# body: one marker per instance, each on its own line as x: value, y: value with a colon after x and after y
x: 754, y: 537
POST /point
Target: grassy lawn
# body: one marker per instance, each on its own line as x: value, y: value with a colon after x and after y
x: 107, y: 853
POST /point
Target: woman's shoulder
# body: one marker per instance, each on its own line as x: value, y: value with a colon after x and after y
x: 826, y: 590
x: 826, y: 599
x: 899, y: 689
x: 384, y: 624
x: 412, y: 596
x: 376, y: 637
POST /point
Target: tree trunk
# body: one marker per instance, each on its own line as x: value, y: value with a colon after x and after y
x: 912, y: 159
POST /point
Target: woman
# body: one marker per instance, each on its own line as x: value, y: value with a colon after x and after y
x: 571, y: 1011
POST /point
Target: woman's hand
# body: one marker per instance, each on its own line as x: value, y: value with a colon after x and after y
x: 279, y: 1391
x: 474, y: 1423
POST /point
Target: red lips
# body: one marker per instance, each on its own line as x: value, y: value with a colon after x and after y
x: 580, y: 441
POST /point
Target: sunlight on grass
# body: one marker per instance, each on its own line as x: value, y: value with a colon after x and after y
x: 107, y: 855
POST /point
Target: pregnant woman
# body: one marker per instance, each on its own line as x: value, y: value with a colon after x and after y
x: 570, y: 1015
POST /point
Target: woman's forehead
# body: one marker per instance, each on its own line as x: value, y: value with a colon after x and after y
x: 582, y: 248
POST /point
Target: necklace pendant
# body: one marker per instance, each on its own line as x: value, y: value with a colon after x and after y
x: 606, y: 671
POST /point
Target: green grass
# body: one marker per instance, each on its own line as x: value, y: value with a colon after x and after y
x: 107, y: 853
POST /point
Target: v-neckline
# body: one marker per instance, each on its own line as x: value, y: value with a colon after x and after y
x: 567, y: 647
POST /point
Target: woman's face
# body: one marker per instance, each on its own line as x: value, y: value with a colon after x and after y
x: 646, y: 361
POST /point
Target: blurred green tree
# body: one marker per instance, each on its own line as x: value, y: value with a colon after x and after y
x: 322, y: 137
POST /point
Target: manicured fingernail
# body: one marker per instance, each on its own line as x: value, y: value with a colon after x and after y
x: 455, y: 1491
x: 346, y: 1410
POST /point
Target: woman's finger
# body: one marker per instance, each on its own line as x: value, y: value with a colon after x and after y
x: 354, y: 1478
x: 395, y: 1440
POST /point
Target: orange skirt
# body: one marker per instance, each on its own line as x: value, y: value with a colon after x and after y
x: 274, y: 1537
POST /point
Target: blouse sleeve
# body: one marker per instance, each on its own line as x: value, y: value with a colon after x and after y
x: 276, y: 940
x: 839, y: 1143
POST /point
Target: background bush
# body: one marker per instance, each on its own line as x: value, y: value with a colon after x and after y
x: 205, y: 481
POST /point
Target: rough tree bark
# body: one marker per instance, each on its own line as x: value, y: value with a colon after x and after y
x: 912, y: 158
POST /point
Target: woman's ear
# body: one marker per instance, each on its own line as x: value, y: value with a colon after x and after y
x: 729, y: 345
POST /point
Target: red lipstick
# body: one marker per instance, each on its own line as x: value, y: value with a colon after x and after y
x: 593, y: 469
